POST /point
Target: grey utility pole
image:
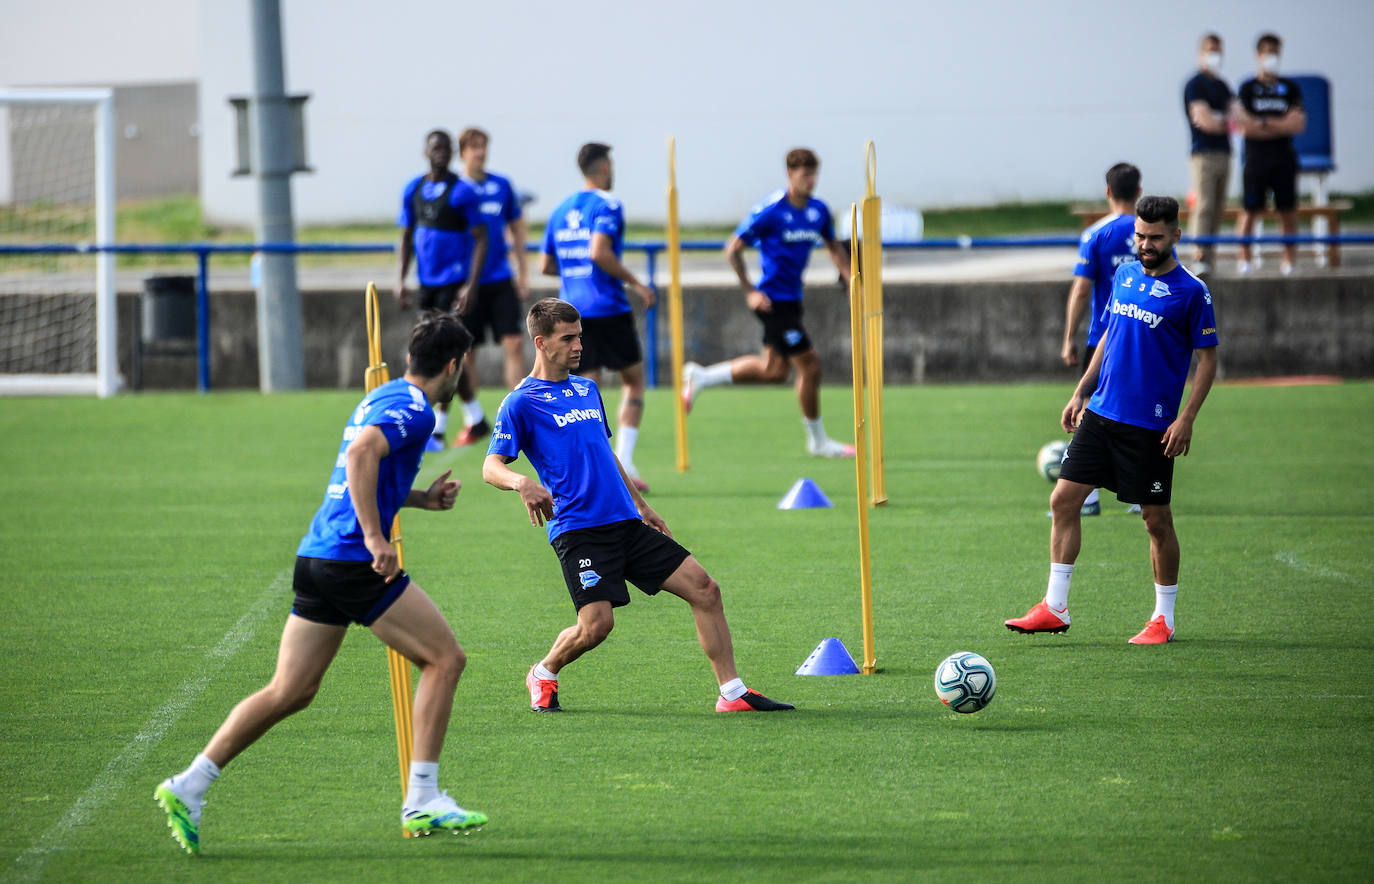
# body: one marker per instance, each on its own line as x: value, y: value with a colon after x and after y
x: 281, y: 358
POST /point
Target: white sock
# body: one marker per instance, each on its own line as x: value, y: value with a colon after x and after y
x: 733, y: 689
x: 625, y: 447
x: 815, y: 431
x: 715, y: 375
x: 1091, y: 499
x: 424, y: 783
x: 1057, y: 593
x: 196, y: 779
x: 1164, y: 603
x: 440, y: 422
x: 542, y: 673
x: 474, y: 413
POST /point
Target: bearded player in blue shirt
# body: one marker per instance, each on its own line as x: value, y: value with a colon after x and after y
x: 785, y: 227
x: 1104, y: 246
x: 347, y: 571
x: 582, y: 247
x: 1126, y: 436
x: 597, y: 521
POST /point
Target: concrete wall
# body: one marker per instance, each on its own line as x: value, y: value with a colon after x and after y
x: 947, y: 333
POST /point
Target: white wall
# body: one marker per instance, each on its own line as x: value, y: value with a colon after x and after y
x: 97, y: 42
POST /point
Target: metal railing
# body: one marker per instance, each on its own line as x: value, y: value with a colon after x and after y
x: 651, y: 249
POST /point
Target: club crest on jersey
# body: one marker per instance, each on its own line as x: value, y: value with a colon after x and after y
x: 813, y: 214
x: 1160, y: 289
x: 581, y: 389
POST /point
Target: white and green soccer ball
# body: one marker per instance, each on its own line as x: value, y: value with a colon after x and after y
x: 1050, y: 457
x: 965, y: 682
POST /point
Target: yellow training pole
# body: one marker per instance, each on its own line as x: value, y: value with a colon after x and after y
x: 675, y: 306
x: 401, y: 694
x: 856, y: 332
x: 872, y: 258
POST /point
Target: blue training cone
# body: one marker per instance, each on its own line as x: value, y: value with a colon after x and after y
x: 804, y: 494
x: 831, y: 657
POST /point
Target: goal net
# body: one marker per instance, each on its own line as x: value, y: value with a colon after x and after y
x: 57, y: 307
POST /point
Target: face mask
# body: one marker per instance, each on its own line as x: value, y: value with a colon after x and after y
x: 1269, y: 64
x: 1212, y: 60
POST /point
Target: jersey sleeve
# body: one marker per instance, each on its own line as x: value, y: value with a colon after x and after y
x: 511, y: 211
x: 605, y: 422
x: 1087, y: 257
x: 401, y: 425
x: 1204, y: 320
x: 609, y: 219
x: 1294, y: 94
x: 827, y: 224
x: 468, y: 201
x: 751, y: 230
x: 505, y: 433
x: 406, y: 217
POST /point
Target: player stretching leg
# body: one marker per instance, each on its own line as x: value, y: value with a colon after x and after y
x: 598, y: 523
x: 1126, y: 436
x: 785, y: 227
x: 347, y: 571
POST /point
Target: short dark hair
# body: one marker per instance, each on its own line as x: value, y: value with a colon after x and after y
x: 441, y: 134
x: 469, y: 135
x: 435, y: 339
x: 802, y: 158
x: 1157, y: 208
x: 1123, y: 181
x: 1270, y: 38
x: 547, y: 313
x: 1210, y: 37
x: 592, y: 153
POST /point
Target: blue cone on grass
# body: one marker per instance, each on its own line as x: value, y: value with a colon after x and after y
x: 831, y: 657
x: 804, y: 494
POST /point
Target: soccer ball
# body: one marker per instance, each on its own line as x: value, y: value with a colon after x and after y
x: 1048, y: 460
x: 965, y: 682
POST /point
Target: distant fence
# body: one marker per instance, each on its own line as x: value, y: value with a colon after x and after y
x: 651, y: 249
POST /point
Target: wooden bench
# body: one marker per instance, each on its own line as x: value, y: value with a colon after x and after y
x: 1330, y: 214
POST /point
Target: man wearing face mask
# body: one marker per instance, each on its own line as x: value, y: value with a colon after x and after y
x: 1271, y: 113
x: 1207, y: 101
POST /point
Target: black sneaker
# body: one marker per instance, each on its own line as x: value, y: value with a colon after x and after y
x: 752, y: 701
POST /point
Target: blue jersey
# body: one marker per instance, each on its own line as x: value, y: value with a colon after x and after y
x: 593, y: 291
x: 1103, y: 248
x: 442, y: 212
x: 400, y: 410
x: 498, y: 207
x: 785, y: 236
x: 1154, y: 324
x: 561, y: 427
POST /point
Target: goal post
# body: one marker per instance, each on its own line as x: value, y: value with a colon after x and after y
x: 58, y: 334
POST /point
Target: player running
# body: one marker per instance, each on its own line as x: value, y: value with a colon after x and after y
x: 785, y: 227
x: 496, y: 303
x: 1104, y: 247
x: 597, y: 521
x: 347, y: 571
x: 1159, y: 316
x: 582, y: 247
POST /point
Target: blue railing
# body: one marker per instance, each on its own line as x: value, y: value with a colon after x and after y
x: 651, y: 250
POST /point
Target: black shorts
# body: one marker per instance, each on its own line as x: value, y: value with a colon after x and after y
x: 782, y: 328
x: 495, y: 306
x: 1120, y: 457
x: 438, y: 297
x: 340, y: 593
x: 610, y: 342
x: 597, y: 561
x: 1277, y: 173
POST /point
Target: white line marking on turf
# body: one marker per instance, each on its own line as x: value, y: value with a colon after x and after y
x: 29, y: 865
x: 1290, y: 558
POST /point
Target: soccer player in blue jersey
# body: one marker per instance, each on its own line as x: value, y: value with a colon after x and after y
x: 347, y: 572
x: 785, y: 227
x: 582, y: 247
x: 496, y: 303
x: 1104, y: 247
x: 1126, y: 436
x: 597, y: 521
x: 441, y: 228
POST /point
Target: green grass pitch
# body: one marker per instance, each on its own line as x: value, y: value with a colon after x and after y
x: 147, y: 546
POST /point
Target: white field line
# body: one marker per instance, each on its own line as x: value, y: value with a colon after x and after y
x: 29, y: 865
x: 1290, y: 558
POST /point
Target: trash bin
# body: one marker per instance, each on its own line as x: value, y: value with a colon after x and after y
x: 169, y: 309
